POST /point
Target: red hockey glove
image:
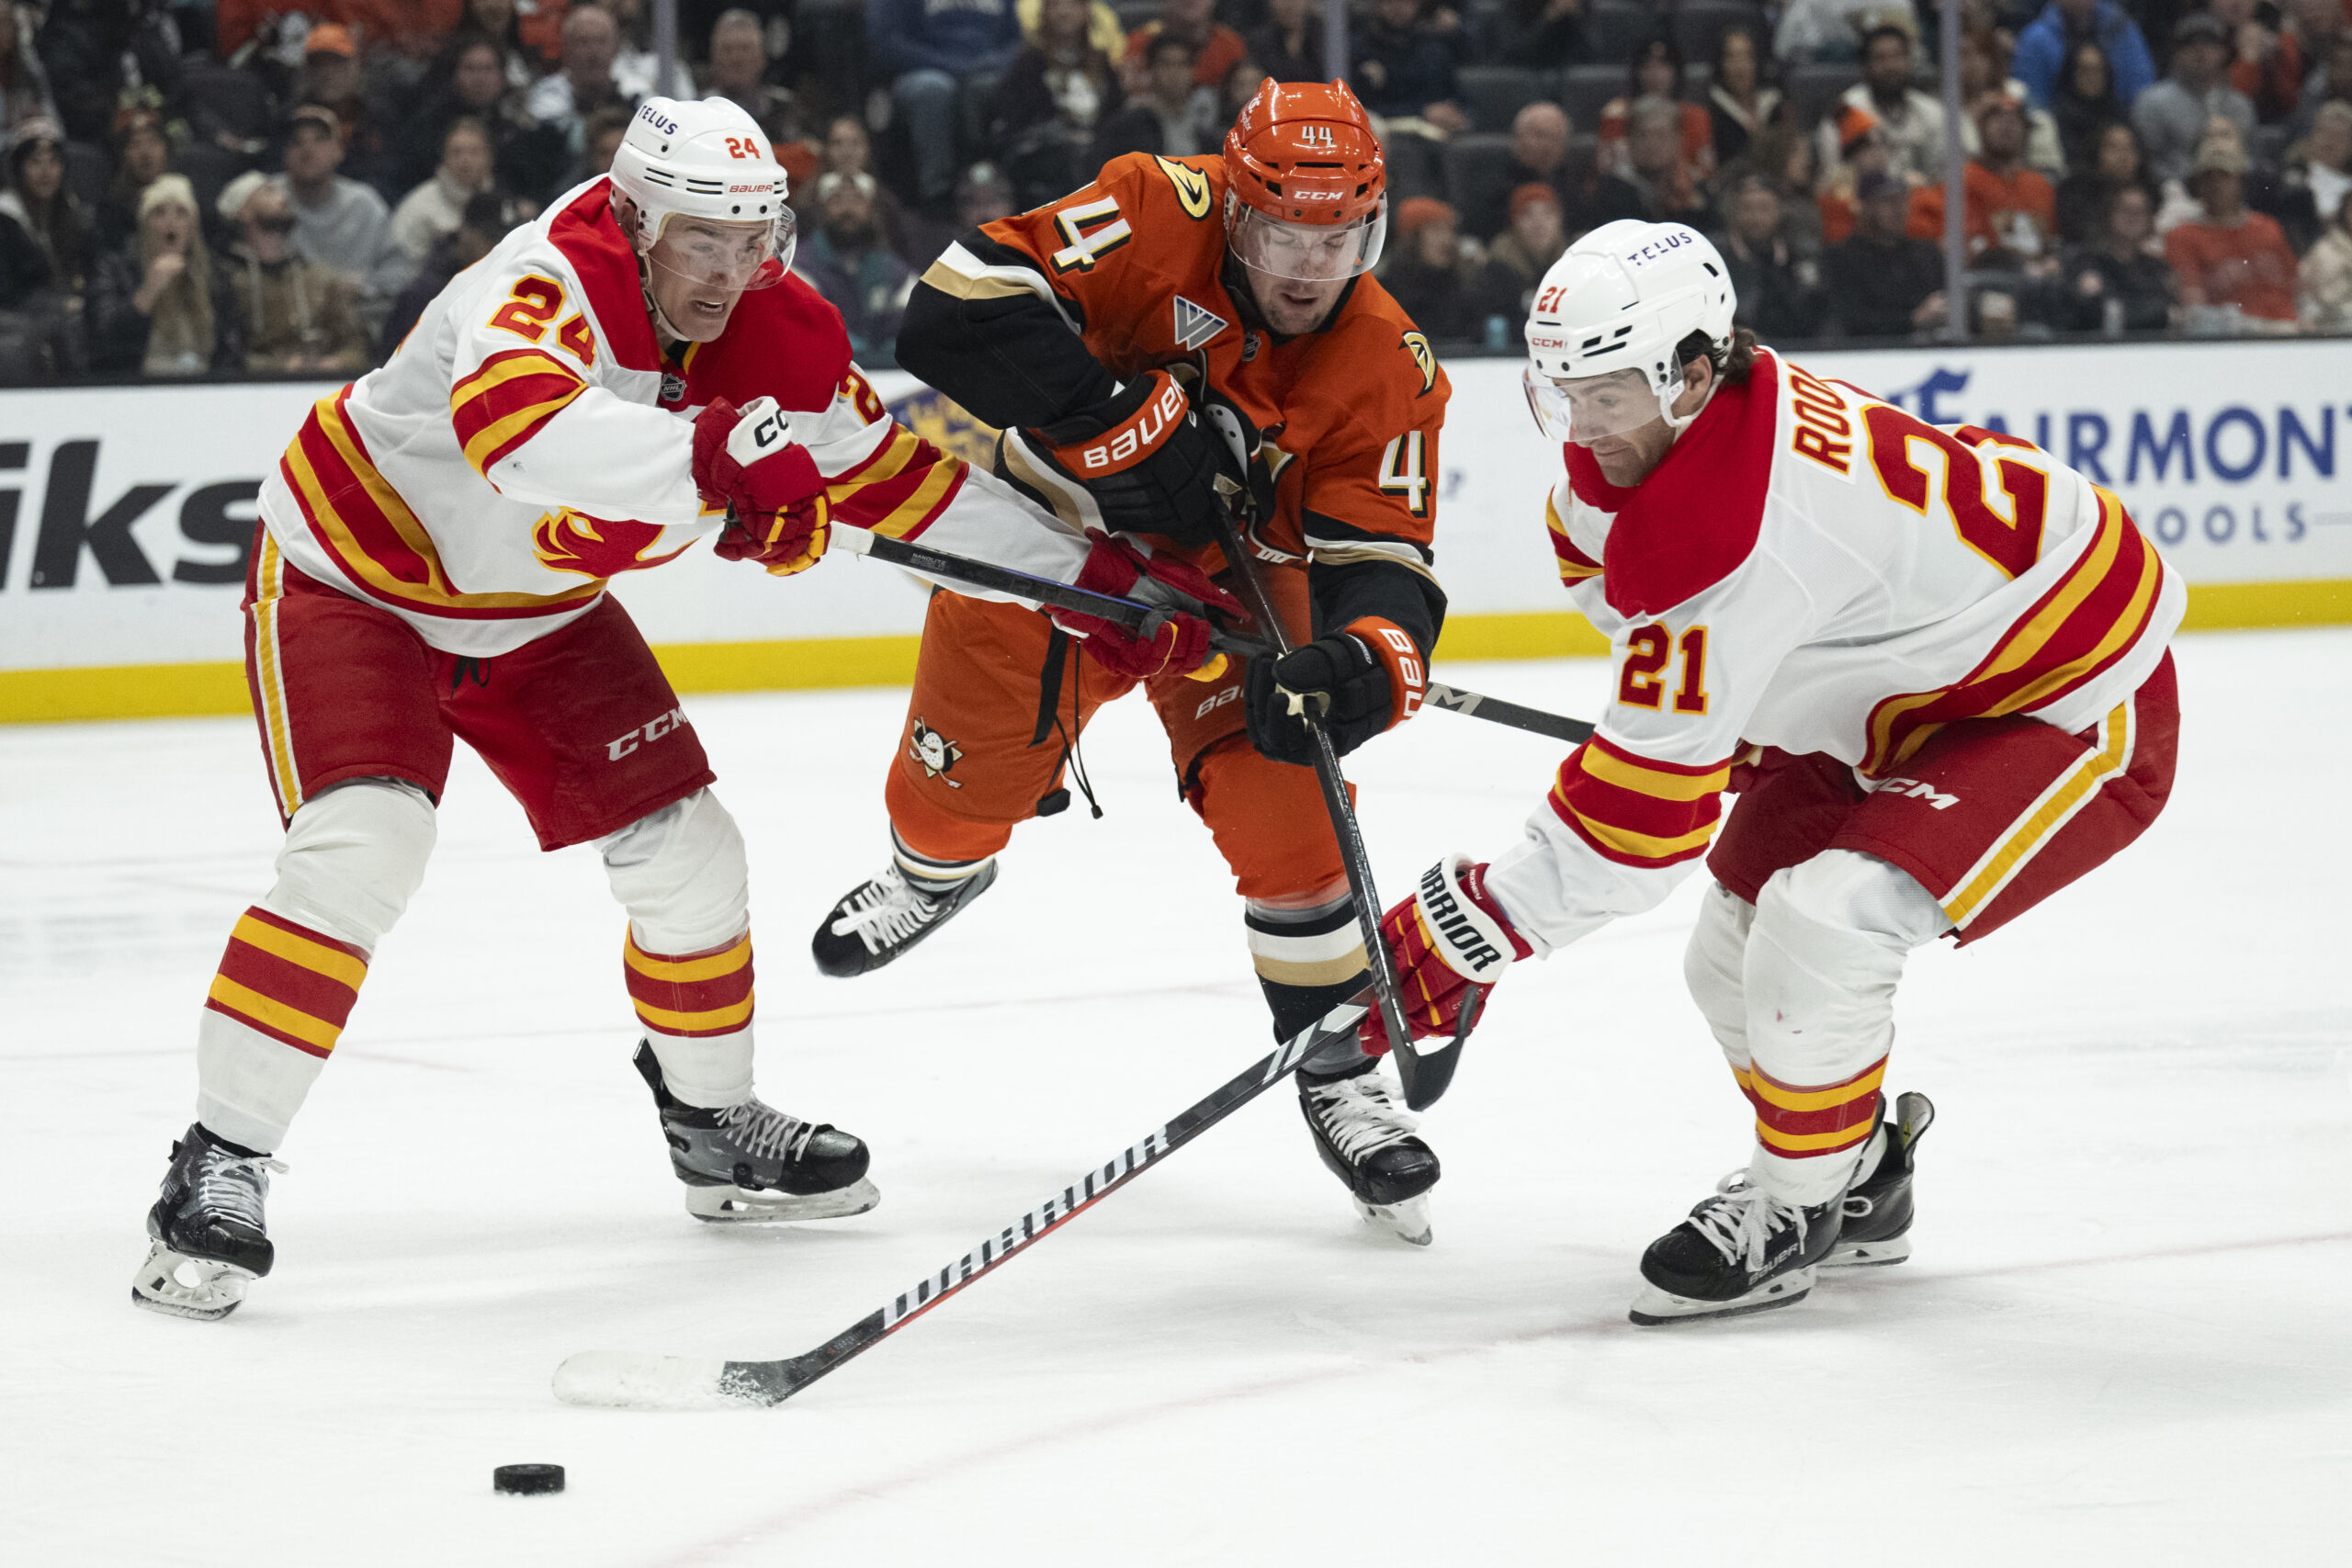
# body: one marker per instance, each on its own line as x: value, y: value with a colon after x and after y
x: 1448, y: 939
x: 747, y: 462
x: 1167, y: 581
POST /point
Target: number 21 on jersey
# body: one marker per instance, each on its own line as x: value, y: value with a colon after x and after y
x: 1642, y: 682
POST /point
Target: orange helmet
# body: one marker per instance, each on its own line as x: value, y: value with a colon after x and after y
x: 1305, y: 185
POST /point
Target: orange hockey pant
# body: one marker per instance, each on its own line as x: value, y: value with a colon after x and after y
x: 1000, y: 699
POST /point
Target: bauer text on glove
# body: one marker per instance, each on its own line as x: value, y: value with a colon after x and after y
x: 1145, y: 459
x: 1354, y: 684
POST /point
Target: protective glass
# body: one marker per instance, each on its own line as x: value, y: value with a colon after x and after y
x: 1308, y: 252
x: 730, y: 257
x: 1593, y: 407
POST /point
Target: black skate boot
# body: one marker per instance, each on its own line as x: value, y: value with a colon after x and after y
x: 752, y: 1164
x: 1878, y: 1205
x: 1366, y: 1139
x: 888, y: 915
x: 209, y: 1241
x: 1740, y: 1251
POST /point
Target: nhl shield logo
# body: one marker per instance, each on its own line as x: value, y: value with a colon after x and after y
x: 934, y: 752
x: 1196, y: 327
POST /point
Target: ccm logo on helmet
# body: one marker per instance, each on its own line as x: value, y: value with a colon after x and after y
x: 1145, y: 429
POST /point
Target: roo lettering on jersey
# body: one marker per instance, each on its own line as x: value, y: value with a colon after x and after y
x: 1822, y: 432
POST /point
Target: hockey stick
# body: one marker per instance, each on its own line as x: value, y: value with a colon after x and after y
x: 1424, y: 1076
x: 1145, y: 621
x: 1494, y: 710
x: 635, y: 1381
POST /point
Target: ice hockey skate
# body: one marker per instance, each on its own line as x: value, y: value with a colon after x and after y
x: 880, y: 920
x: 750, y: 1164
x: 1878, y: 1205
x: 1741, y: 1251
x: 1368, y: 1142
x: 208, y: 1239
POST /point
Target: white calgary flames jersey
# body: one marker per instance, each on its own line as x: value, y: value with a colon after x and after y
x: 529, y: 440
x: 1815, y: 569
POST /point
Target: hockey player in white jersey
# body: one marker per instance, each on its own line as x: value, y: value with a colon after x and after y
x: 1932, y: 662
x: 431, y: 565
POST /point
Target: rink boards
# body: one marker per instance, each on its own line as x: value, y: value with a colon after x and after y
x: 126, y: 516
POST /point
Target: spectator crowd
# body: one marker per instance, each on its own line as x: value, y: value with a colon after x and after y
x: 257, y: 187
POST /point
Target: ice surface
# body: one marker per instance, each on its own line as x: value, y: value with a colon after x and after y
x: 2123, y: 1337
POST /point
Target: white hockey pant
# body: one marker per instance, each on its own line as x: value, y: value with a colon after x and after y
x: 681, y: 875
x: 1799, y: 987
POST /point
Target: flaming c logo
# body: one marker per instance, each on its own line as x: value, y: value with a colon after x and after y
x: 598, y: 548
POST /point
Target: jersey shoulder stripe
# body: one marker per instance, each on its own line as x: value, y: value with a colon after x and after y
x: 506, y: 401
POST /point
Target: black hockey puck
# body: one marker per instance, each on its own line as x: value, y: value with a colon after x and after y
x: 528, y: 1478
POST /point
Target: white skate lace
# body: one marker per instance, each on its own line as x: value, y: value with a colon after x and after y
x: 234, y: 1185
x: 1739, y: 1222
x: 1358, y: 1115
x: 886, y: 911
x: 764, y: 1133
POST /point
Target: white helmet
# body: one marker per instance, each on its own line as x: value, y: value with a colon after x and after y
x: 1623, y: 298
x: 706, y: 160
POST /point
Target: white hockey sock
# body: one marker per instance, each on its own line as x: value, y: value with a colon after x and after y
x: 1822, y: 959
x: 1711, y: 968
x: 353, y: 857
x: 681, y: 876
x: 712, y: 1072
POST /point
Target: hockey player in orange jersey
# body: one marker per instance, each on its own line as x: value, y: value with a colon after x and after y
x: 1089, y: 331
x: 430, y: 567
x: 1932, y: 661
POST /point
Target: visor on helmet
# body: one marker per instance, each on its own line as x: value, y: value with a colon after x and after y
x: 1593, y: 407
x: 727, y: 256
x: 1308, y: 252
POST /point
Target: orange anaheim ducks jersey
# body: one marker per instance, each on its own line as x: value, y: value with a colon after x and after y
x: 1133, y: 270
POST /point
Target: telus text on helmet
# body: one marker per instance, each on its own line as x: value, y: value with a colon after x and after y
x: 1672, y: 240
x: 659, y: 121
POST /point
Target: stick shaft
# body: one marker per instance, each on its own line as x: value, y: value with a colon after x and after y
x: 1344, y: 827
x: 1136, y: 616
x: 772, y: 1383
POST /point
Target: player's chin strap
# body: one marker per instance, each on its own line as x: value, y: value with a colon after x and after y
x: 1665, y: 400
x: 663, y: 327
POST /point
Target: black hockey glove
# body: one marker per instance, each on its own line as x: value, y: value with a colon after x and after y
x: 1356, y: 683
x: 1146, y: 461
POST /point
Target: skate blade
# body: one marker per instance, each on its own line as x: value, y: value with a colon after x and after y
x: 1868, y: 1254
x: 734, y: 1206
x: 180, y: 1286
x: 1407, y: 1221
x: 1655, y: 1306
